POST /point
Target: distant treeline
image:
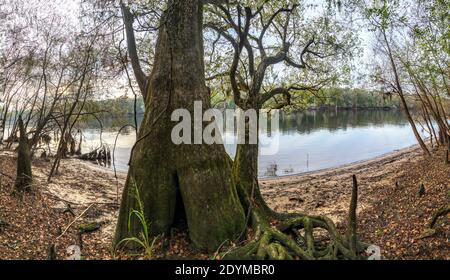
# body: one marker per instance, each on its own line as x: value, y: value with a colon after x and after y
x: 330, y: 98
x: 327, y: 98
x: 346, y: 98
x: 117, y: 106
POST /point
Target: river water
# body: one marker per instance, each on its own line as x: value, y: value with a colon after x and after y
x: 308, y: 141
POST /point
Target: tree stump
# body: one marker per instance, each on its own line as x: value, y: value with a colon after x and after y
x: 24, y: 177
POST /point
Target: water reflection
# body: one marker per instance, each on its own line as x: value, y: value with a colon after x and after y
x: 310, y: 121
x: 309, y: 141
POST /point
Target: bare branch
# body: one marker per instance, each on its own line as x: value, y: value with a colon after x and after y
x: 141, y: 77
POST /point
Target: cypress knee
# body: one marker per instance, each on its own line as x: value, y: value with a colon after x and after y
x: 24, y: 177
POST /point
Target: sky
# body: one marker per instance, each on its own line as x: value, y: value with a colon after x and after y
x: 69, y: 10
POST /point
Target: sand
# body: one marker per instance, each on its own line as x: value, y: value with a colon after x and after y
x: 328, y: 192
x: 325, y: 192
x: 81, y: 184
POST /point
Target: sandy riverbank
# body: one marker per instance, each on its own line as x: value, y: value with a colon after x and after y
x: 84, y: 185
x: 327, y: 192
x: 324, y: 192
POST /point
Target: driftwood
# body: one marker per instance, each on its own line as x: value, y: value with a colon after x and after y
x: 13, y: 138
x: 3, y: 224
x: 6, y: 175
x: 101, y: 155
x: 69, y: 209
x: 76, y: 219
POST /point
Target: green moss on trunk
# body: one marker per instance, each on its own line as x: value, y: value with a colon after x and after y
x: 245, y: 174
x: 199, y: 175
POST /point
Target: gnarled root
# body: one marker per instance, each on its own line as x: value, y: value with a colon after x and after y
x: 297, y: 238
x: 294, y: 239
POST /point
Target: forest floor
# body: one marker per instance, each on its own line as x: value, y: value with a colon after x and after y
x: 391, y: 216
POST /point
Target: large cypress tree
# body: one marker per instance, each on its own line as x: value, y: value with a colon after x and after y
x: 191, y: 181
x: 195, y: 182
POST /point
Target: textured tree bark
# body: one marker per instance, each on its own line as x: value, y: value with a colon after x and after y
x: 245, y: 174
x: 24, y: 177
x: 191, y: 181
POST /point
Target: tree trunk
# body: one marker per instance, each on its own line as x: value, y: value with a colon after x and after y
x: 402, y: 97
x: 245, y: 173
x: 24, y: 177
x: 185, y: 181
x: 413, y: 125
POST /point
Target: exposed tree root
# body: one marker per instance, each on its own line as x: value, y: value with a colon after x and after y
x: 296, y: 237
x: 285, y: 241
x: 269, y: 212
x: 441, y: 212
x: 430, y: 230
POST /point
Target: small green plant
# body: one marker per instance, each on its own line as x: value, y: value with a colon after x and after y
x: 143, y: 240
x: 379, y: 232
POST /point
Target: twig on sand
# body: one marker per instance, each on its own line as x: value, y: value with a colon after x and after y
x: 79, y: 216
x: 6, y: 175
x: 77, y: 204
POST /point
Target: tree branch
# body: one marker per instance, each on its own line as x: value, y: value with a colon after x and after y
x: 141, y: 78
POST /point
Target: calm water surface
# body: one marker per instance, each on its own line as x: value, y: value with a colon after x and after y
x: 309, y: 141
